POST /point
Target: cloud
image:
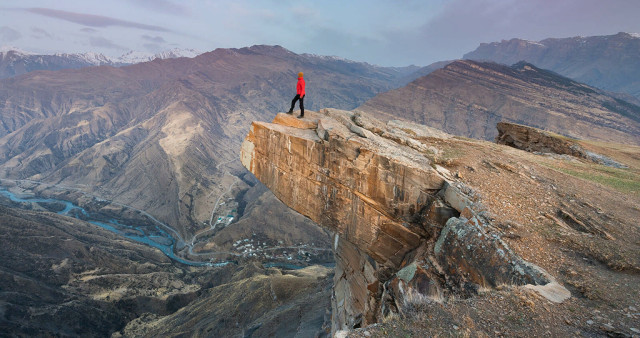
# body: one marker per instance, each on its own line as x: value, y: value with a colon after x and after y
x: 470, y: 22
x: 152, y: 47
x: 93, y: 20
x: 40, y: 33
x: 163, y: 6
x: 89, y: 30
x: 104, y: 43
x: 461, y: 25
x: 8, y: 34
x: 330, y: 41
x: 154, y: 39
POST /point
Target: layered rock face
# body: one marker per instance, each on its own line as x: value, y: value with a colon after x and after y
x: 404, y: 230
x: 540, y: 141
x: 536, y: 140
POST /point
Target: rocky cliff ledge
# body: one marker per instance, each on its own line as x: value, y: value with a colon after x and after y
x: 405, y: 229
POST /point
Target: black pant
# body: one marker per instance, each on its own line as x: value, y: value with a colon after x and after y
x: 293, y: 103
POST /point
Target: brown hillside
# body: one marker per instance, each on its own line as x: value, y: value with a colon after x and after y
x: 469, y: 98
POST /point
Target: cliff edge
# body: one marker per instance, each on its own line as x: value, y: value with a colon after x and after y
x: 405, y: 229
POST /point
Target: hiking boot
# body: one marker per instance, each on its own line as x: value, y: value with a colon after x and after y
x: 301, y: 116
x: 290, y: 111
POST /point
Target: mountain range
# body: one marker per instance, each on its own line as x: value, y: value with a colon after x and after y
x: 163, y: 137
x: 610, y: 62
x: 14, y: 62
x: 468, y: 98
x: 163, y: 128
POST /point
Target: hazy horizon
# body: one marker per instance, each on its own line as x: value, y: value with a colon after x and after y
x: 379, y: 32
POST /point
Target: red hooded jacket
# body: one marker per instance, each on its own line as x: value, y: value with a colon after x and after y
x: 300, y: 87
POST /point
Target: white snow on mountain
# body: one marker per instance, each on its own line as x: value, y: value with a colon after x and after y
x: 96, y: 59
x: 134, y: 57
x: 328, y: 57
x: 536, y: 43
x: 178, y: 53
x: 5, y: 49
x: 137, y: 56
x: 635, y: 35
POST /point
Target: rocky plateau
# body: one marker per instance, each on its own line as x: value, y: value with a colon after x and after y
x: 427, y: 225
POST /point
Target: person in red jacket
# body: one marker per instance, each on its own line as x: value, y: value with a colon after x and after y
x: 299, y: 96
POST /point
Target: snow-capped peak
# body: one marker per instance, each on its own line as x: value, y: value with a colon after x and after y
x: 328, y: 57
x: 137, y: 56
x: 635, y: 35
x: 98, y: 59
x: 177, y: 53
x: 91, y: 58
x: 6, y: 49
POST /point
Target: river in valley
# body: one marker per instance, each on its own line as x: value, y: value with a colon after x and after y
x: 159, y: 239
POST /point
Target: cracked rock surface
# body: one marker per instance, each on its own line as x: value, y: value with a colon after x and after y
x: 404, y: 228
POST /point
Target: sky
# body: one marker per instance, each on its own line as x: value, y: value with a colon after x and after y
x: 386, y: 33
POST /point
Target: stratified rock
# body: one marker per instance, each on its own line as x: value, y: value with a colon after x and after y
x: 536, y: 140
x: 376, y: 188
x: 380, y: 183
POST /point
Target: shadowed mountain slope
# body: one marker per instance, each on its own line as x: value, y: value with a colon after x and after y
x: 60, y: 276
x: 64, y: 277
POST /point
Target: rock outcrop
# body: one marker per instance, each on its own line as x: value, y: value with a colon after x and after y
x: 404, y: 230
x: 540, y: 141
x: 536, y: 140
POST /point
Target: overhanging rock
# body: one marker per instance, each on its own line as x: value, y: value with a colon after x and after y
x: 364, y: 189
x: 402, y: 230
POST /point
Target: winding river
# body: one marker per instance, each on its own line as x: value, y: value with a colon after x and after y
x: 160, y: 239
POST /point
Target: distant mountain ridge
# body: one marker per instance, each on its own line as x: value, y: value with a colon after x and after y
x: 609, y: 62
x: 14, y: 62
x: 468, y: 98
x: 132, y: 57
